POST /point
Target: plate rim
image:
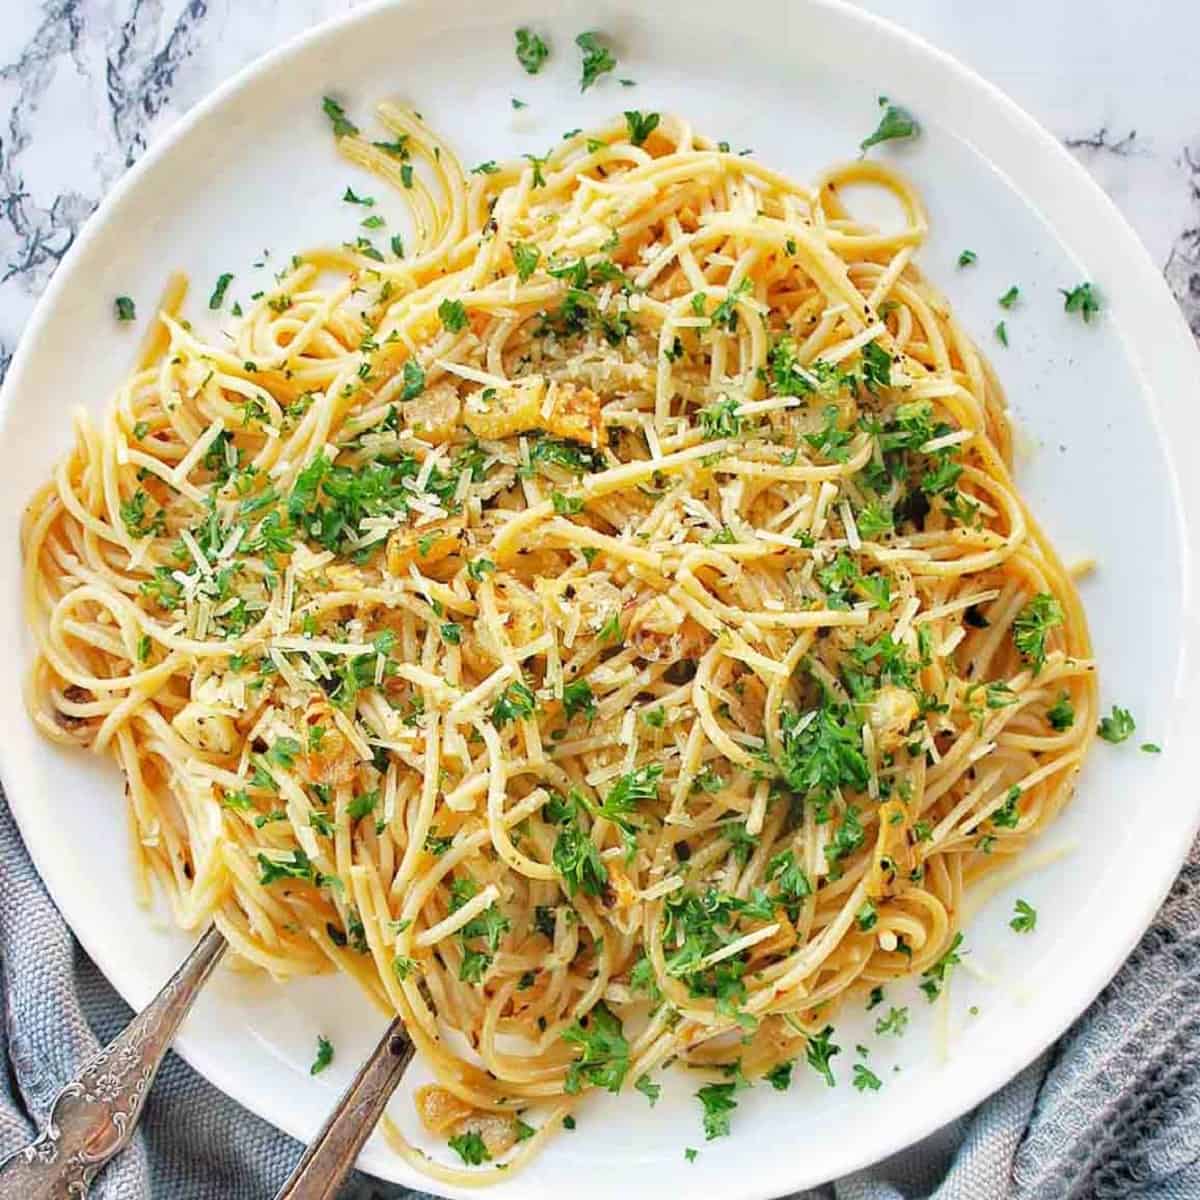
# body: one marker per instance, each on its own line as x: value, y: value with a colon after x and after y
x: 1176, y: 343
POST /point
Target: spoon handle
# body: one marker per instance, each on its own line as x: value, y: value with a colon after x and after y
x: 331, y: 1154
x: 93, y: 1117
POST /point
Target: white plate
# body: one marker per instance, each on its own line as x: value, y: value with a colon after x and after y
x: 254, y: 167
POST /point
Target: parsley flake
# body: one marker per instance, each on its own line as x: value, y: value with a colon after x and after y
x: 532, y: 51
x: 324, y: 1056
x: 718, y: 1102
x: 895, y: 123
x: 1084, y: 300
x: 597, y: 59
x: 218, y: 294
x: 342, y: 125
x: 865, y: 1079
x: 640, y: 127
x: 820, y: 1053
x: 1025, y: 918
x: 603, y: 1051
x: 1118, y: 726
x: 470, y: 1148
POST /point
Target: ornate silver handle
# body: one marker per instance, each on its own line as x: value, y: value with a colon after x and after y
x: 331, y: 1154
x: 94, y: 1116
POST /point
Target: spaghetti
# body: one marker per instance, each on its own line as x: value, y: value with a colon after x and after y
x: 609, y: 631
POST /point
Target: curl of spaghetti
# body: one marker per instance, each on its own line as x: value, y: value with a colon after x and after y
x: 605, y: 626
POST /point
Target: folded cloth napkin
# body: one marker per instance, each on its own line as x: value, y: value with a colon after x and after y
x: 1112, y: 1111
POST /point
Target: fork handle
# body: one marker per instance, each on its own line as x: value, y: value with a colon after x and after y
x: 331, y: 1154
x: 94, y: 1116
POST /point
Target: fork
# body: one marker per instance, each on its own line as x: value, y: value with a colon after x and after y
x: 93, y: 1117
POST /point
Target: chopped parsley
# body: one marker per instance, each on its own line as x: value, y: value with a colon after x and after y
x: 640, y: 127
x: 603, y: 1051
x: 1009, y: 813
x: 557, y: 452
x: 578, y: 698
x: 1002, y: 334
x: 876, y: 367
x: 517, y: 701
x: 720, y: 419
x: 874, y: 519
x: 895, y: 123
x: 789, y: 875
x: 324, y: 1056
x: 363, y: 806
x: 575, y: 856
x: 820, y: 1053
x: 537, y: 162
x: 718, y: 1102
x: 895, y: 1023
x: 597, y: 59
x: 296, y: 866
x: 933, y: 980
x: 283, y: 752
x: 1084, y: 300
x: 967, y: 258
x: 470, y: 1148
x: 648, y: 1088
x: 1061, y: 714
x: 138, y: 523
x: 124, y: 308
x: 821, y: 754
x: 1042, y: 614
x: 453, y: 315
x: 414, y: 380
x: 1010, y: 297
x: 1024, y: 918
x: 566, y: 506
x: 218, y: 294
x: 342, y: 125
x: 532, y: 51
x: 1118, y: 726
x: 865, y: 1079
x: 525, y: 259
x: 397, y: 149
x: 780, y: 1076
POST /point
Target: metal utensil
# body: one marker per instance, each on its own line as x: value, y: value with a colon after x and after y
x: 93, y: 1117
x: 331, y: 1154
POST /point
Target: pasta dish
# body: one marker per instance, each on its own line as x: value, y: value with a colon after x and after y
x: 602, y: 622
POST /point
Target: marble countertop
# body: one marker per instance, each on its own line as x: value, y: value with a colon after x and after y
x: 86, y: 85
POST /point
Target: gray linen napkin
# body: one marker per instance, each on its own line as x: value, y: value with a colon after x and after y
x: 1112, y: 1111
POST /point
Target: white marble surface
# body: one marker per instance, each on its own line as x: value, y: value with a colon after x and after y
x: 86, y: 85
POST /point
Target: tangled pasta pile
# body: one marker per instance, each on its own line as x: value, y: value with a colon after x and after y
x: 605, y: 625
